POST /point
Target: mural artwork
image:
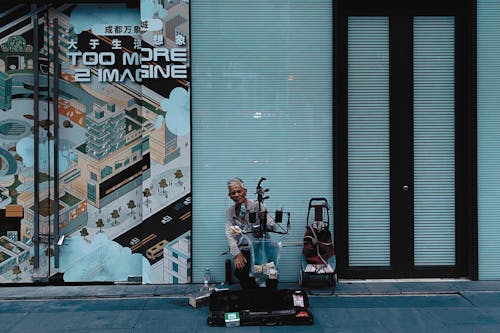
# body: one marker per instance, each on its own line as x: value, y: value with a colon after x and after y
x: 103, y: 192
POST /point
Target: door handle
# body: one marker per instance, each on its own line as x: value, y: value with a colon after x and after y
x: 405, y: 188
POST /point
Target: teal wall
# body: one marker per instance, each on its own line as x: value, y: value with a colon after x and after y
x: 488, y: 137
x: 261, y: 107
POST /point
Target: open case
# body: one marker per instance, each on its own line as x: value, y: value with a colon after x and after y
x: 261, y: 306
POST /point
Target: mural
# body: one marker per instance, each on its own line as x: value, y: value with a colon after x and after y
x: 118, y: 207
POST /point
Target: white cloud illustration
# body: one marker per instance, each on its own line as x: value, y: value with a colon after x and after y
x: 99, y: 260
x: 177, y: 107
x: 25, y: 149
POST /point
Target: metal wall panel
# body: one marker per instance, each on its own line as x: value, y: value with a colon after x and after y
x: 488, y: 137
x: 262, y: 107
x: 434, y: 140
x: 368, y: 141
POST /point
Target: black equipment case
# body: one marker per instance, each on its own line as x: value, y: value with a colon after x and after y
x: 261, y: 306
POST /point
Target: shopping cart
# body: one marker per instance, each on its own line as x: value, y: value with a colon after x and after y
x: 317, y: 271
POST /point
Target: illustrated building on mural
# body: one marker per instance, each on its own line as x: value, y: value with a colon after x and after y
x: 177, y: 260
x: 5, y: 91
x: 115, y: 156
x: 65, y: 35
x: 12, y: 253
x: 72, y: 214
x: 176, y: 24
x: 104, y: 130
x: 163, y: 142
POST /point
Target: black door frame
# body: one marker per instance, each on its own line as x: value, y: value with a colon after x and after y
x: 401, y: 95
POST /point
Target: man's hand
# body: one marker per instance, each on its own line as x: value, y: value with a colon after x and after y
x: 235, y: 230
x: 239, y: 261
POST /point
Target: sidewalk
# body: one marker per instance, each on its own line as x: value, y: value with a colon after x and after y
x: 356, y: 306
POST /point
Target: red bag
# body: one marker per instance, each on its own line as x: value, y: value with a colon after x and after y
x: 318, y: 245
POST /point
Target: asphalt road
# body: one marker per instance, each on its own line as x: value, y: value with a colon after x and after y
x: 152, y: 231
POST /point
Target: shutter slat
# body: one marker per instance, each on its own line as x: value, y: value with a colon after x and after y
x: 368, y: 141
x: 434, y: 141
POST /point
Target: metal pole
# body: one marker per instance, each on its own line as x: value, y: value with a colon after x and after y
x: 36, y: 133
x: 55, y: 30
x: 49, y: 205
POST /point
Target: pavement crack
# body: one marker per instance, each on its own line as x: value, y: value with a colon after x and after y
x: 466, y: 298
x: 137, y: 323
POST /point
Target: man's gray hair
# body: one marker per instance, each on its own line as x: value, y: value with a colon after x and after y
x: 236, y: 181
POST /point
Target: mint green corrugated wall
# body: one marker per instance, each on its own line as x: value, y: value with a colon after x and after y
x: 262, y: 85
x: 488, y: 137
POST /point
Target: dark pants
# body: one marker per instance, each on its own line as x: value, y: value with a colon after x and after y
x: 243, y: 275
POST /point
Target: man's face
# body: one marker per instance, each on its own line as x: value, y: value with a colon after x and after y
x: 237, y: 193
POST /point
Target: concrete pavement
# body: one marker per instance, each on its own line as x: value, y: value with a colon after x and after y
x: 356, y: 306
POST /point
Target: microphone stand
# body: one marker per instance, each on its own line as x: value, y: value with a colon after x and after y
x: 260, y: 229
x: 261, y: 214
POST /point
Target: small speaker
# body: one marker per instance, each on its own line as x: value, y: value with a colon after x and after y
x: 252, y: 216
x: 278, y: 216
